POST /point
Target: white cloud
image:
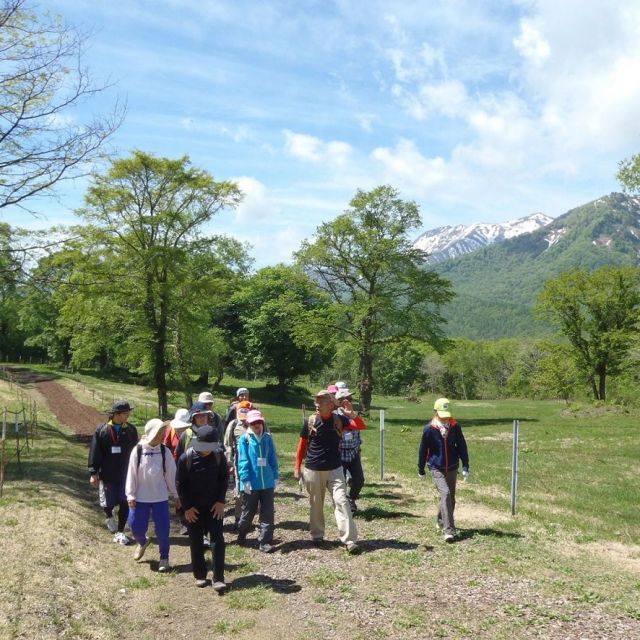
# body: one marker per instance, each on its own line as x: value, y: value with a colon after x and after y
x: 366, y: 121
x: 531, y: 43
x: 335, y: 154
x: 256, y: 204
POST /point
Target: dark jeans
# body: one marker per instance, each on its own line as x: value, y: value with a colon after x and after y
x: 263, y: 497
x: 206, y: 524
x: 354, y: 468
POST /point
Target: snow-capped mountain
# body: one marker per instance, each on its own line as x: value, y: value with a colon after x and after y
x: 451, y: 242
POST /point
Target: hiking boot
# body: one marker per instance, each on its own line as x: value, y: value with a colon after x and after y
x: 140, y: 549
x: 352, y: 547
x: 120, y: 538
x: 265, y: 547
x: 163, y: 566
x: 184, y: 530
x: 111, y: 524
x: 201, y: 583
x: 219, y: 586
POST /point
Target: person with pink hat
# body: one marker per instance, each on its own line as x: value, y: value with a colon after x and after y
x: 258, y: 476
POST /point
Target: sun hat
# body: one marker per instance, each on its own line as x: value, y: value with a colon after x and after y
x: 242, y: 391
x: 199, y: 407
x: 206, y: 439
x: 341, y: 385
x: 152, y: 428
x: 441, y: 407
x: 205, y: 396
x: 121, y: 406
x: 255, y: 416
x: 324, y: 393
x: 343, y: 393
x: 181, y: 419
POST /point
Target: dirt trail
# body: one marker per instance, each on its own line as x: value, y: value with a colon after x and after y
x: 81, y: 418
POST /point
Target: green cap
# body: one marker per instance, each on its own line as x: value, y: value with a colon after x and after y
x: 441, y: 406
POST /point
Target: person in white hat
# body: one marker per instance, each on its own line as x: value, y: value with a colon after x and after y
x: 443, y: 447
x: 150, y: 481
x: 205, y: 398
x: 242, y: 395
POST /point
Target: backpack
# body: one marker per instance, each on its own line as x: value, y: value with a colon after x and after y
x: 139, y: 455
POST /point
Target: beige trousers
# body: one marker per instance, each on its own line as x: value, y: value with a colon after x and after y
x: 317, y: 482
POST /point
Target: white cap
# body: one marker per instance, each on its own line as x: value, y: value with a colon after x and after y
x: 205, y: 396
x: 181, y: 419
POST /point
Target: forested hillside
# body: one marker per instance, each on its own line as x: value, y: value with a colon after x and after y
x: 497, y: 286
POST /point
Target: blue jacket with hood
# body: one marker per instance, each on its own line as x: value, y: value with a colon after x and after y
x: 442, y: 453
x: 251, y: 450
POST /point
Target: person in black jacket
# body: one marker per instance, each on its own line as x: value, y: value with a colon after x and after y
x: 443, y: 447
x: 201, y: 480
x: 109, y: 454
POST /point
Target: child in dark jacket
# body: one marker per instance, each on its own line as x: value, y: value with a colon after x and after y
x: 258, y: 476
x: 201, y: 480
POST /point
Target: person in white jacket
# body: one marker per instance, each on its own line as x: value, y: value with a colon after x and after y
x: 150, y: 480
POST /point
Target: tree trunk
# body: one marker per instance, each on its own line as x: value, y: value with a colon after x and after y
x: 203, y: 379
x: 365, y: 382
x: 602, y: 379
x: 594, y: 388
x: 219, y: 376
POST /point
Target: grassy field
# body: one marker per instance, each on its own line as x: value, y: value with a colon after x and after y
x: 567, y: 566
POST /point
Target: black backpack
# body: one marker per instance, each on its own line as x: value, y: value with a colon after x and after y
x: 162, y: 451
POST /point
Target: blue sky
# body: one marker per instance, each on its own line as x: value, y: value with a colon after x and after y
x: 477, y: 110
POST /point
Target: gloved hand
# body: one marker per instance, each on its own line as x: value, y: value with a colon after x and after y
x: 465, y: 474
x: 422, y: 476
x: 247, y: 487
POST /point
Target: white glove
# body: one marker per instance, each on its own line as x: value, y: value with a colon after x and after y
x: 422, y: 476
x: 465, y: 474
x: 247, y: 487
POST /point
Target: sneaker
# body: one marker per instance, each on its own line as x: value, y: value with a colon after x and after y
x: 449, y: 537
x: 219, y: 586
x: 201, y: 583
x: 140, y: 549
x: 163, y: 566
x: 352, y: 547
x: 111, y: 524
x: 184, y: 530
x: 265, y: 547
x: 120, y: 538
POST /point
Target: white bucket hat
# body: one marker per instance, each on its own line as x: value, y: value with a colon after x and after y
x: 181, y: 419
x: 205, y: 396
x: 152, y: 428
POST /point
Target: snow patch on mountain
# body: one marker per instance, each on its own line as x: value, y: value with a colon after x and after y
x: 451, y: 242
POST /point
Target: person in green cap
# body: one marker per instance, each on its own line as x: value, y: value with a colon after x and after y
x: 443, y: 447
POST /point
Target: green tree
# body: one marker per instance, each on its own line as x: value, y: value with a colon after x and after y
x: 42, y: 141
x: 598, y: 314
x: 145, y: 216
x: 556, y: 374
x: 365, y: 260
x: 276, y: 340
x: 629, y: 174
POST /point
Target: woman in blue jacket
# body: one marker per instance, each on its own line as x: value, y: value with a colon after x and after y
x: 258, y: 476
x: 443, y: 447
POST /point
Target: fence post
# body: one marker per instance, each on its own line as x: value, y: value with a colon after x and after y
x: 381, y: 444
x: 514, y: 466
x: 2, y: 448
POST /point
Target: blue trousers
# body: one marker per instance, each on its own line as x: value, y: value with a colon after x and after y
x: 139, y: 523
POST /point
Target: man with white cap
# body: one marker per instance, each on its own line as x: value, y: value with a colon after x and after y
x: 443, y: 447
x: 242, y: 395
x: 215, y: 420
x: 150, y: 480
x: 201, y: 480
x: 350, y: 447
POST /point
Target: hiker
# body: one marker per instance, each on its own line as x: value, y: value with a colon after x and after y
x: 242, y: 395
x: 443, y: 447
x: 235, y: 429
x: 109, y: 453
x: 177, y: 427
x: 350, y: 447
x: 150, y: 480
x: 199, y: 416
x: 215, y: 420
x: 258, y: 477
x: 320, y: 444
x: 201, y: 481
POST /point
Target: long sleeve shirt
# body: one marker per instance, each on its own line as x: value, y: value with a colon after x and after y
x: 147, y: 481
